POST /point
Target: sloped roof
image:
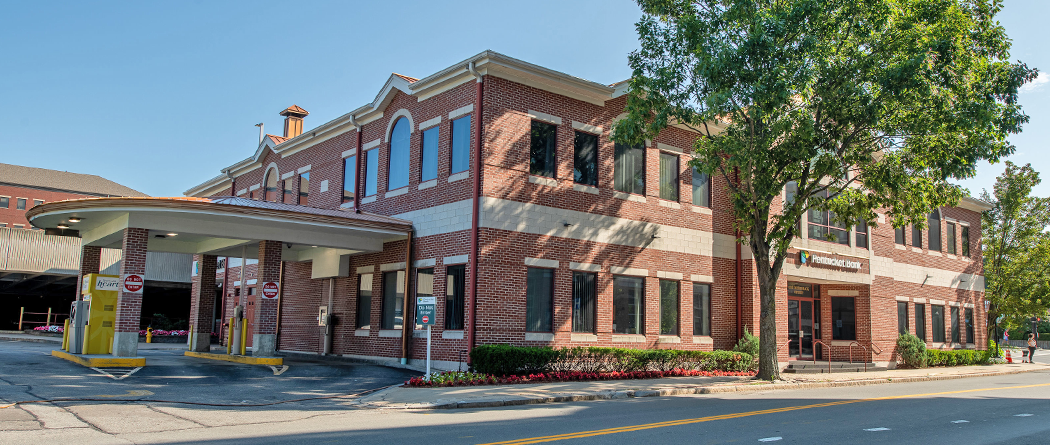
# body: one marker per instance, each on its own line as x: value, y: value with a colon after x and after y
x: 409, y: 79
x: 295, y: 109
x: 277, y: 139
x: 63, y: 181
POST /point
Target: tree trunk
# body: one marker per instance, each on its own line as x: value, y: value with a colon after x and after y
x: 768, y: 367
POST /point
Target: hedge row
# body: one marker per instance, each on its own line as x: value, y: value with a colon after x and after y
x: 956, y: 357
x: 518, y: 360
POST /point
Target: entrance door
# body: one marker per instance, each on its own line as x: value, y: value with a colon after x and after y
x: 800, y: 328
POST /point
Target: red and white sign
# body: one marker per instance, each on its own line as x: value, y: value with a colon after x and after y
x: 270, y: 290
x: 133, y: 283
x: 426, y: 319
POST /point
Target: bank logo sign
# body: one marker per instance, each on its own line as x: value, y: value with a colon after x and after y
x: 805, y: 257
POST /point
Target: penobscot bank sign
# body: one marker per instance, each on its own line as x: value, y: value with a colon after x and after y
x: 806, y: 257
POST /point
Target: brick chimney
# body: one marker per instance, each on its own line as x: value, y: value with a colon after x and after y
x: 293, y: 121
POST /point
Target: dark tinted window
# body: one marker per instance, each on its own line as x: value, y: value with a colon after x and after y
x: 455, y: 291
x: 541, y: 152
x: 953, y: 313
x: 628, y: 305
x: 826, y: 226
x: 539, y: 300
x: 843, y: 319
x: 920, y: 321
x: 937, y: 313
x: 304, y: 189
x: 916, y: 237
x: 5, y: 202
x: 965, y: 239
x: 702, y: 189
x: 629, y: 169
x: 969, y: 326
x: 668, y: 176
x: 949, y: 235
x: 935, y: 231
x: 585, y: 161
x: 701, y: 309
x: 364, y: 301
x: 583, y: 308
x: 349, y: 178
x: 393, y: 299
x: 898, y: 235
x: 902, y: 317
x: 668, y: 307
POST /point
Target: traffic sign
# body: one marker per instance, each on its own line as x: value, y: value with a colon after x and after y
x: 133, y: 283
x: 425, y: 308
x: 270, y: 290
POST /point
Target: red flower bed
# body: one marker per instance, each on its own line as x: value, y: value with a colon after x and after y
x: 446, y: 379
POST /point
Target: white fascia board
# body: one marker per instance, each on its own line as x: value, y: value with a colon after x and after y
x: 209, y: 187
x: 973, y: 204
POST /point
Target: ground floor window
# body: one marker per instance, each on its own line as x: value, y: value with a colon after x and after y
x: 455, y: 291
x: 954, y: 312
x: 393, y: 300
x: 969, y: 326
x: 938, y: 323
x: 902, y: 317
x: 424, y: 287
x: 583, y: 308
x: 920, y: 321
x: 628, y: 305
x: 701, y: 309
x: 668, y: 307
x: 843, y: 318
x: 539, y: 300
x: 364, y: 301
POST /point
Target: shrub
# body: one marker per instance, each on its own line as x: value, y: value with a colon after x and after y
x: 502, y: 360
x: 957, y: 357
x: 911, y: 350
x: 748, y: 344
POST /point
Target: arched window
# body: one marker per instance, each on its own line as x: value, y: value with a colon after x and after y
x: 270, y: 193
x: 397, y: 167
x: 935, y: 230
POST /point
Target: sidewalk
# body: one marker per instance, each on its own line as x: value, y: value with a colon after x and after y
x: 58, y: 341
x: 524, y: 394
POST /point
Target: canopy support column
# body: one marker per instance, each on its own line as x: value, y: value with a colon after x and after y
x: 202, y: 302
x: 129, y: 304
x: 264, y: 339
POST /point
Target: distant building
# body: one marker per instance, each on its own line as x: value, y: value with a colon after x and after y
x: 21, y: 188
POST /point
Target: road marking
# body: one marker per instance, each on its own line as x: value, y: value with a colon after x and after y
x: 625, y: 429
x: 877, y: 429
x: 278, y: 371
x: 124, y: 372
x: 1023, y: 415
x: 131, y: 393
x: 960, y: 421
x: 771, y: 439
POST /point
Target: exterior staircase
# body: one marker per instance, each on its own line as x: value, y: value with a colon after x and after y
x: 821, y: 367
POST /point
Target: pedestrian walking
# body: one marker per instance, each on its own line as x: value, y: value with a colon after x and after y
x: 1031, y: 347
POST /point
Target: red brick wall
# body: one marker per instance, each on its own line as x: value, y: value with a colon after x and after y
x: 129, y: 305
x: 11, y: 215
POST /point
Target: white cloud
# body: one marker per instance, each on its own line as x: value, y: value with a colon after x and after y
x: 1036, y: 84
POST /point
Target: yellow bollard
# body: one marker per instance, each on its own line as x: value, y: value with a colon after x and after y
x: 229, y: 337
x: 65, y: 336
x: 20, y: 314
x: 149, y: 335
x: 244, y: 336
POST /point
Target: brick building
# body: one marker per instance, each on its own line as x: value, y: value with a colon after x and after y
x: 21, y: 188
x: 532, y: 227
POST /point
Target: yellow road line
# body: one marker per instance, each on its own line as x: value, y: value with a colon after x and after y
x: 647, y: 426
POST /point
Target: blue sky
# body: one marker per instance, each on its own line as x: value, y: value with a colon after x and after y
x: 160, y: 96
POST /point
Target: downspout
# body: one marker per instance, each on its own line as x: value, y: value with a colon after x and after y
x: 233, y: 186
x: 739, y: 276
x: 327, y: 348
x: 407, y: 320
x: 280, y: 301
x: 357, y: 166
x: 475, y: 210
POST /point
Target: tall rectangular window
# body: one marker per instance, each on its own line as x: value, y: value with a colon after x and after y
x: 953, y: 313
x: 843, y: 318
x: 288, y: 185
x: 583, y: 307
x: 349, y: 178
x: 541, y: 152
x: 364, y: 301
x: 585, y: 161
x: 304, y: 189
x: 668, y: 177
x: 826, y: 226
x: 460, y: 145
x: 701, y: 309
x: 935, y: 231
x: 920, y: 321
x: 937, y: 314
x: 629, y: 169
x: 429, y: 159
x: 5, y: 202
x: 455, y: 292
x: 916, y: 237
x: 539, y: 300
x: 424, y: 287
x: 862, y: 234
x: 702, y: 188
x: 969, y: 326
x: 790, y: 195
x: 393, y: 300
x: 668, y: 307
x: 628, y: 305
x: 965, y: 239
x: 949, y: 232
x: 902, y: 317
x: 400, y: 151
x: 898, y: 235
x: 20, y: 204
x: 371, y: 172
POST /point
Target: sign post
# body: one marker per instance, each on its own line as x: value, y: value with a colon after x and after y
x: 425, y: 316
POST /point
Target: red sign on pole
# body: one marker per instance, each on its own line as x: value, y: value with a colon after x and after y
x: 426, y: 319
x: 270, y: 290
x: 133, y: 283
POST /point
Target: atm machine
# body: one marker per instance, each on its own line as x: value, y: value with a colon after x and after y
x: 96, y: 317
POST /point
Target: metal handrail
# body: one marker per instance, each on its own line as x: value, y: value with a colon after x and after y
x: 865, y: 348
x: 829, y: 353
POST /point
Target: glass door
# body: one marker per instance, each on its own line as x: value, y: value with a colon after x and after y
x: 800, y: 328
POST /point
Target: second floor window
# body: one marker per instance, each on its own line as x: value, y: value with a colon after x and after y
x: 541, y: 149
x: 668, y: 177
x: 862, y: 234
x: 349, y: 178
x: 964, y: 237
x: 585, y: 161
x: 898, y: 235
x: 935, y: 231
x: 460, y: 145
x: 916, y: 237
x: 826, y: 226
x: 397, y: 171
x: 949, y: 232
x: 5, y: 202
x: 20, y: 204
x: 304, y: 189
x: 37, y: 202
x: 288, y: 185
x: 702, y: 189
x: 629, y: 169
x: 371, y: 172
x: 429, y: 159
x: 270, y: 194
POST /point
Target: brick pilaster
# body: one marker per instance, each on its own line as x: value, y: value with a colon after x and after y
x: 202, y: 299
x: 90, y: 262
x: 269, y: 269
x: 133, y: 261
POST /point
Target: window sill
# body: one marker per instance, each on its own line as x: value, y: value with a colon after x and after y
x: 900, y: 247
x: 934, y: 253
x: 396, y: 192
x: 390, y: 333
x: 701, y: 210
x: 369, y: 199
x: 543, y: 180
x: 361, y: 332
x: 583, y: 337
x: 704, y: 340
x: 628, y: 196
x: 669, y: 339
x: 459, y: 176
x: 585, y: 188
x: 916, y: 249
x: 539, y: 336
x: 628, y: 338
x: 452, y: 335
x: 347, y: 205
x: 427, y: 184
x: 670, y: 204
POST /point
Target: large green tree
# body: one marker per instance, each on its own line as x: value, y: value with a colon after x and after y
x: 863, y: 104
x: 1016, y: 248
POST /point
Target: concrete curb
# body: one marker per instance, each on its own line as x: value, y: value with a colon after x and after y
x: 714, y: 389
x: 31, y: 340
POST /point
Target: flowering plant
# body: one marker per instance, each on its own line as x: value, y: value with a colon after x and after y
x: 452, y: 378
x: 51, y: 328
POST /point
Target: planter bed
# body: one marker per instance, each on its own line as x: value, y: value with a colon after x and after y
x: 452, y: 378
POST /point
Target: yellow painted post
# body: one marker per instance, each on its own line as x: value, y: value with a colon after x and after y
x: 48, y: 323
x: 20, y: 314
x: 149, y: 335
x: 244, y: 336
x: 87, y: 327
x: 65, y: 335
x: 229, y: 337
